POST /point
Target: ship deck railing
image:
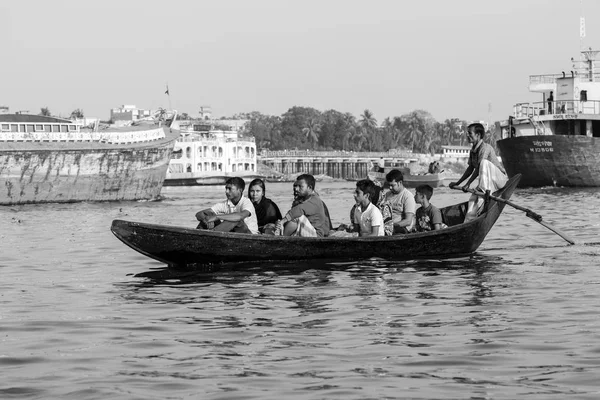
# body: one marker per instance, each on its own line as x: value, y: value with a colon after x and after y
x: 584, y: 76
x: 540, y: 108
x: 188, y: 136
x: 207, y: 157
x: 79, y: 136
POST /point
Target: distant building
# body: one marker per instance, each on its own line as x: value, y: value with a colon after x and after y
x: 458, y: 153
x: 205, y: 112
x: 128, y: 113
x: 233, y: 124
x: 3, y: 110
x: 202, y: 122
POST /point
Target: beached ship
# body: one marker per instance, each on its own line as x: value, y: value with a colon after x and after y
x: 204, y: 155
x: 556, y: 141
x: 47, y: 159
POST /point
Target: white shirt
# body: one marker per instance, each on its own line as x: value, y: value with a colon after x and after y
x: 227, y: 207
x: 369, y: 218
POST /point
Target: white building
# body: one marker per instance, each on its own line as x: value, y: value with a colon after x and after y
x: 458, y: 153
x: 128, y: 113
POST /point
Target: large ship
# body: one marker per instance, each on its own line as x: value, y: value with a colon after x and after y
x: 47, y: 159
x: 207, y: 155
x: 556, y: 141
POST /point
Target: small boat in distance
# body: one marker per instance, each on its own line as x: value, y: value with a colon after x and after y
x: 434, y: 178
x: 556, y: 141
x: 180, y: 247
x: 204, y: 155
x: 47, y: 159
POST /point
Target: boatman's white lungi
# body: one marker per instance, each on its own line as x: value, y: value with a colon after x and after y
x: 490, y: 178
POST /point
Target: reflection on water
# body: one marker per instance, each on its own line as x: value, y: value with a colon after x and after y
x: 240, y: 272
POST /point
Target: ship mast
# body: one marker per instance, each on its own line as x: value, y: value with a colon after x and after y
x: 590, y: 56
x: 581, y: 28
x: 587, y: 58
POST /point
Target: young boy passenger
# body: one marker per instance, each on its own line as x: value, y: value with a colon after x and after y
x: 365, y: 217
x: 428, y: 216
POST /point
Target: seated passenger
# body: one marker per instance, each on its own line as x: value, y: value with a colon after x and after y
x: 236, y: 214
x: 386, y: 211
x: 267, y: 212
x: 428, y: 217
x: 434, y: 167
x: 367, y: 218
x: 308, y: 216
x: 402, y: 202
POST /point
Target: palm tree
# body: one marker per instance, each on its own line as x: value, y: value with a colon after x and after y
x: 161, y: 114
x: 446, y: 131
x: 77, y: 114
x: 368, y: 124
x: 414, y: 129
x: 368, y: 120
x: 391, y: 133
x: 358, y: 138
x: 311, y: 130
x: 429, y: 142
x: 349, y: 129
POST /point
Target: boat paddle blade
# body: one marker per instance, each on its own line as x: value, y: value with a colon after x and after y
x: 534, y: 216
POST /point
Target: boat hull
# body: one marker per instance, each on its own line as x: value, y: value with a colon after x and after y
x: 184, y: 247
x: 61, y: 172
x: 552, y: 160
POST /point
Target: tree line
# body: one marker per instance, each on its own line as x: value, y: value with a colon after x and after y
x: 75, y: 114
x: 311, y: 129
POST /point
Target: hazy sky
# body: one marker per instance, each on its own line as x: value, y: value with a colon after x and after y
x: 452, y: 58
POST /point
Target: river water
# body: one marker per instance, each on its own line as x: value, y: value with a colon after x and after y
x: 82, y: 316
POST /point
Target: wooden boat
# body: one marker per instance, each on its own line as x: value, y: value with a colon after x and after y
x: 292, y: 178
x: 184, y: 247
x: 410, y: 180
x: 556, y: 141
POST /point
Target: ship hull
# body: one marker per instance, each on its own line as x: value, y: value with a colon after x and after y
x: 552, y: 160
x: 59, y: 172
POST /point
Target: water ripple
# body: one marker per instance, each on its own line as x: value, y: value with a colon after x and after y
x: 84, y: 317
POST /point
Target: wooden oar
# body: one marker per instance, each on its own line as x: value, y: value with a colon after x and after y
x: 534, y: 216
